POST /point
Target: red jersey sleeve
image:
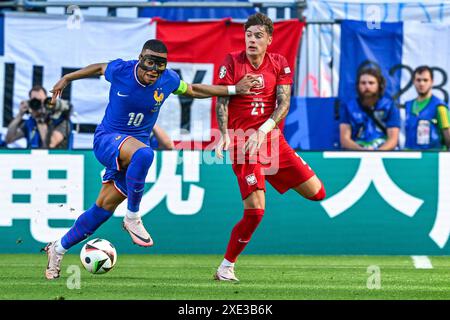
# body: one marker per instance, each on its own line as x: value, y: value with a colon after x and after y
x: 285, y: 73
x: 226, y: 71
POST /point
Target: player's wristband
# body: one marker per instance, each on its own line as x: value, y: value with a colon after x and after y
x: 231, y: 90
x: 267, y: 126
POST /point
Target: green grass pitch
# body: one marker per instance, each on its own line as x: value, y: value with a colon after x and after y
x: 166, y: 277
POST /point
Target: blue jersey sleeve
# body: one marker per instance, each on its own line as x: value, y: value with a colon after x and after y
x: 343, y: 114
x: 393, y: 118
x: 174, y: 80
x: 113, y: 68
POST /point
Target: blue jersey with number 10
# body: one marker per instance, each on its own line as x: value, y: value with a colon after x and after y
x: 133, y: 107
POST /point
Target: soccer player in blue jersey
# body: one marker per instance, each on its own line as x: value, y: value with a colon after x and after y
x: 121, y: 141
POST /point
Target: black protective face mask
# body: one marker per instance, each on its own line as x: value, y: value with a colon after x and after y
x: 152, y: 63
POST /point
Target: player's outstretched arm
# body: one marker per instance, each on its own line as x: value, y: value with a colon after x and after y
x: 96, y: 69
x: 197, y: 90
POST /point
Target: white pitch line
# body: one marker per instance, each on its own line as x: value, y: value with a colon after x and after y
x: 422, y: 262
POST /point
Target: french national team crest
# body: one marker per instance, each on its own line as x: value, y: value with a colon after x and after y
x: 158, y: 96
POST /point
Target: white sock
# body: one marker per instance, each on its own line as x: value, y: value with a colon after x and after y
x: 59, y: 248
x: 226, y: 263
x: 132, y: 215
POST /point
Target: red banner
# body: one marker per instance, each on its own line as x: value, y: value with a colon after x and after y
x: 209, y: 42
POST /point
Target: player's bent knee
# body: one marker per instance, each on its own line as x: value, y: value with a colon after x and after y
x: 111, y: 207
x: 107, y: 205
x: 320, y: 195
x: 144, y: 156
x: 256, y: 200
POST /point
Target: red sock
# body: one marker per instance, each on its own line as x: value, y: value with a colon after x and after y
x: 320, y: 195
x: 242, y: 232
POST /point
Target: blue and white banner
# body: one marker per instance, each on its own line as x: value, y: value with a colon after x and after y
x: 319, y: 70
x: 398, y: 48
x: 39, y: 49
x: 313, y: 124
x: 379, y: 10
x: 361, y: 44
x: 426, y: 44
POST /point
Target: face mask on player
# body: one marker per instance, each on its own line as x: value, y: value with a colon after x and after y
x: 152, y: 63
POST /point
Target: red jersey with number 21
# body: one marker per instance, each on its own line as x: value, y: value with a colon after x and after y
x: 251, y: 111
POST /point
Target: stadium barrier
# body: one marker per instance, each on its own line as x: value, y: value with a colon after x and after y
x: 376, y: 204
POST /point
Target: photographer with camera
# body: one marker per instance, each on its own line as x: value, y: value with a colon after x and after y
x: 47, y: 126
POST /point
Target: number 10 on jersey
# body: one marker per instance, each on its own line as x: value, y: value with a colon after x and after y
x: 135, y: 119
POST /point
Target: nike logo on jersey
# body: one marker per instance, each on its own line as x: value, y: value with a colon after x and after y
x: 121, y: 95
x: 243, y: 241
x: 135, y: 190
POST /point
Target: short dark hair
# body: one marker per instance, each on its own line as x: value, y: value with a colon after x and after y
x: 155, y: 45
x: 375, y: 72
x: 422, y: 69
x: 37, y: 87
x: 259, y: 19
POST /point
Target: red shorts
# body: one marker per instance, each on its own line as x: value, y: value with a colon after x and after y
x: 284, y: 170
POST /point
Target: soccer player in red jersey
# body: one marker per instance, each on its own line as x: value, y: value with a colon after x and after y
x: 249, y: 126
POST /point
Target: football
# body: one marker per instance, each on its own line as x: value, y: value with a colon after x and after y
x: 98, y: 256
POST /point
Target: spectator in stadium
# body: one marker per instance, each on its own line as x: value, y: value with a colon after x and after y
x: 160, y: 140
x: 427, y: 124
x: 371, y: 121
x: 44, y: 125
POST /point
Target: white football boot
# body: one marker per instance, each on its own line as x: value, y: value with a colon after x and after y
x: 225, y: 273
x: 54, y: 262
x: 137, y: 231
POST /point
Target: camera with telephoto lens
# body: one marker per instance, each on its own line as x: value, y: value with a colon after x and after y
x: 48, y: 111
x: 35, y: 104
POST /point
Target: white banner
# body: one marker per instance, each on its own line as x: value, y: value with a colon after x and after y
x: 426, y: 44
x: 382, y: 10
x: 55, y: 43
x: 321, y: 46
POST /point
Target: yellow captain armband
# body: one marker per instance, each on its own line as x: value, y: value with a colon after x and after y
x: 443, y: 117
x: 182, y: 88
